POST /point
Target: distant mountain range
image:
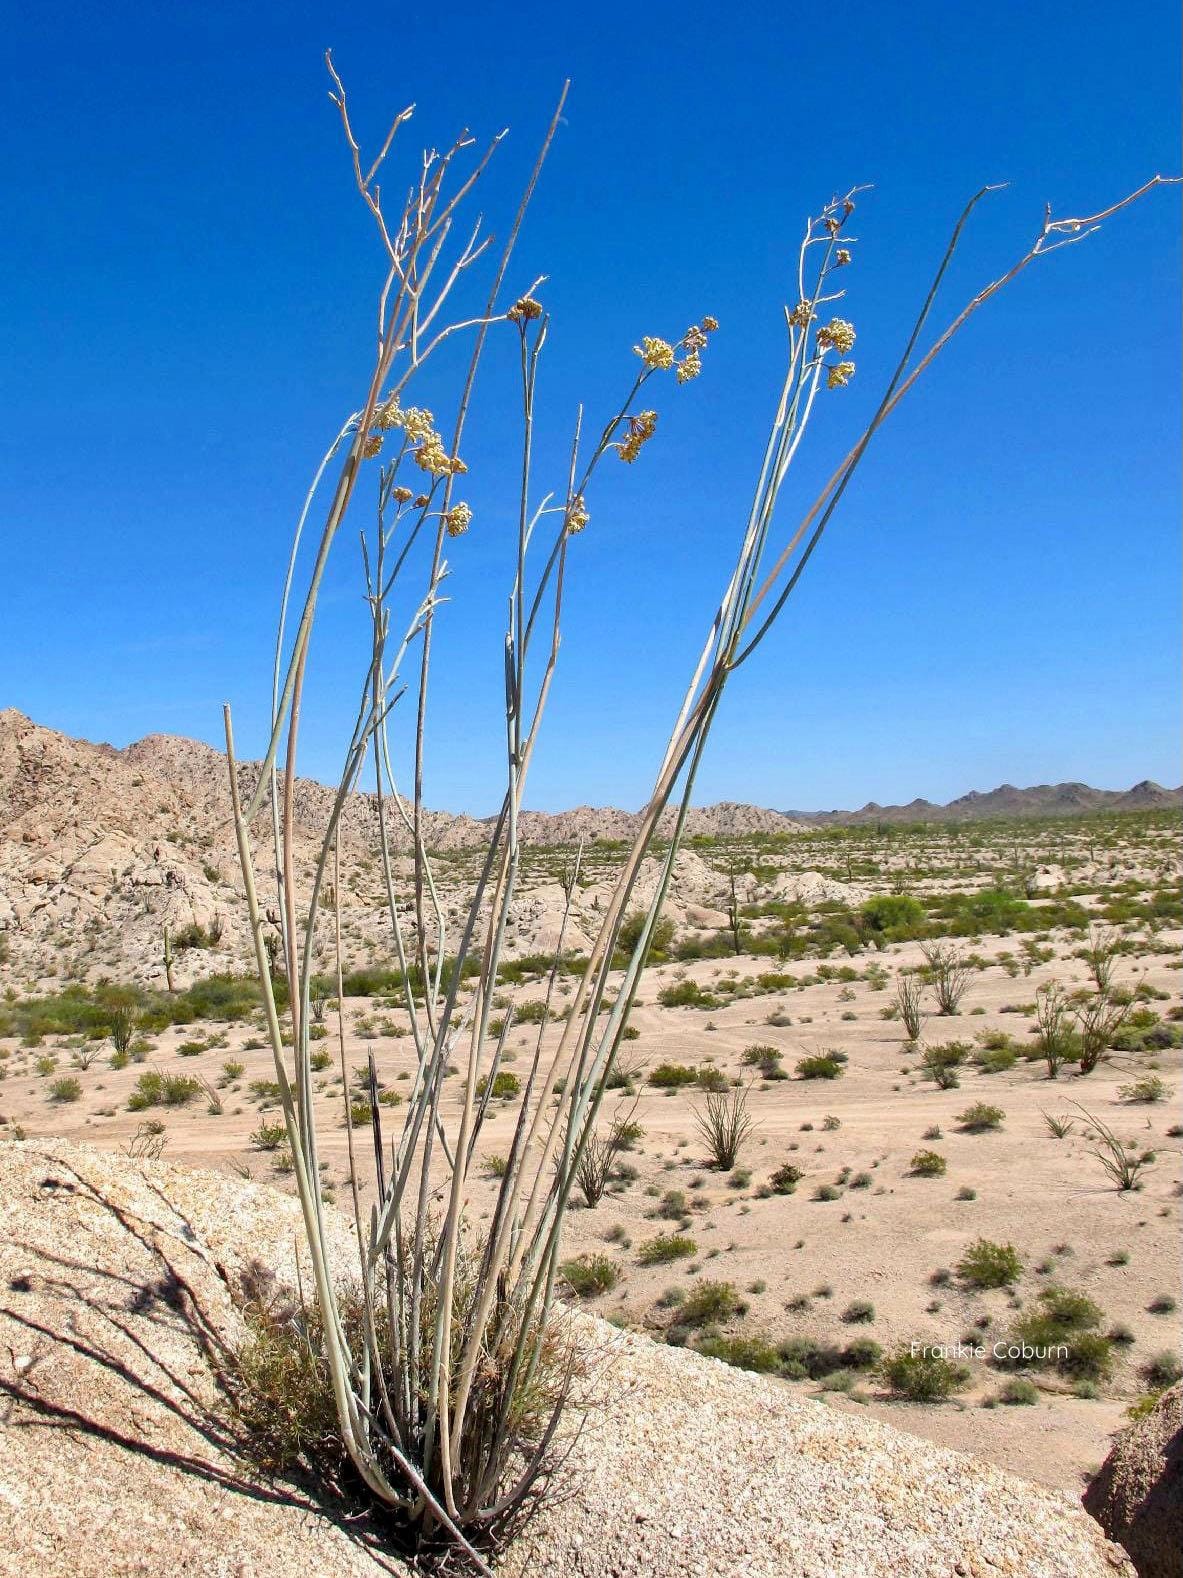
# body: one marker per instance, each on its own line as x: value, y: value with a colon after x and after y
x: 1069, y: 799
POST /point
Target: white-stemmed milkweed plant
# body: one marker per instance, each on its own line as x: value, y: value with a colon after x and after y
x: 449, y: 1365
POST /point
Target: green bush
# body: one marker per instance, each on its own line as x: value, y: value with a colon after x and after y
x: 65, y: 1088
x: 670, y: 1076
x: 893, y: 912
x: 743, y: 1352
x: 665, y: 1247
x: 785, y: 1179
x: 1019, y: 1391
x: 505, y: 1086
x: 710, y: 1302
x: 154, y: 1089
x: 988, y: 1265
x: 686, y: 994
x: 589, y: 1275
x: 820, y: 1067
x: 923, y: 1376
x: 980, y: 1117
x: 928, y: 1164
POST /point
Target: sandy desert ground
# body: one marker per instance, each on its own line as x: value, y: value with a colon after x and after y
x: 864, y: 1248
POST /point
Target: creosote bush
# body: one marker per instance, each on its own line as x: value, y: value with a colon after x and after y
x: 988, y: 1265
x: 925, y: 1376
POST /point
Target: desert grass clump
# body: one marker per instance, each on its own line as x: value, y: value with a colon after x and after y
x: 65, y: 1089
x: 723, y: 1124
x: 1149, y: 1088
x: 785, y: 1178
x: 446, y: 1362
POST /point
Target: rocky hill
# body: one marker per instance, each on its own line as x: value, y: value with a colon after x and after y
x: 102, y: 850
x: 120, y: 1454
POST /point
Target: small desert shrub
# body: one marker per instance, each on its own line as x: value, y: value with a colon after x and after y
x: 909, y: 990
x: 709, y: 1303
x: 1019, y: 1391
x: 65, y: 1089
x: 819, y: 1067
x: 743, y: 1352
x: 665, y: 1247
x: 859, y: 1313
x: 1164, y: 1304
x: 826, y: 1192
x: 232, y: 1070
x: 928, y: 1164
x: 767, y: 1059
x: 589, y: 1275
x: 269, y: 1136
x: 1147, y: 1089
x: 505, y: 1085
x: 1162, y: 1370
x: 671, y: 1076
x: 988, y: 1265
x: 154, y: 1089
x: 980, y: 1117
x: 686, y: 994
x: 785, y: 1179
x: 923, y: 1376
x: 1061, y: 1333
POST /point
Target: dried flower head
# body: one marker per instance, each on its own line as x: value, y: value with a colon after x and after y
x: 695, y: 338
x: 577, y: 515
x: 837, y: 335
x: 839, y: 375
x: 458, y: 519
x: 524, y: 310
x: 842, y: 257
x: 400, y: 494
x: 371, y: 445
x: 709, y: 324
x: 421, y: 501
x: 658, y: 354
x: 431, y: 456
x: 641, y: 429
x: 689, y: 367
x: 833, y: 225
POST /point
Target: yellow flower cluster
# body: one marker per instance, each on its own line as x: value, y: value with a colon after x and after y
x: 524, y: 310
x: 400, y: 495
x: 837, y: 335
x: 432, y: 457
x: 641, y: 429
x: 577, y: 515
x: 457, y: 520
x: 839, y: 375
x: 371, y: 446
x: 689, y: 367
x: 656, y: 354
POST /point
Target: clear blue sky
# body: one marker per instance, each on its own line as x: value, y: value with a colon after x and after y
x: 188, y: 299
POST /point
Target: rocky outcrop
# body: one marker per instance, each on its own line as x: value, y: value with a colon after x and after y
x: 118, y: 1455
x: 1137, y: 1498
